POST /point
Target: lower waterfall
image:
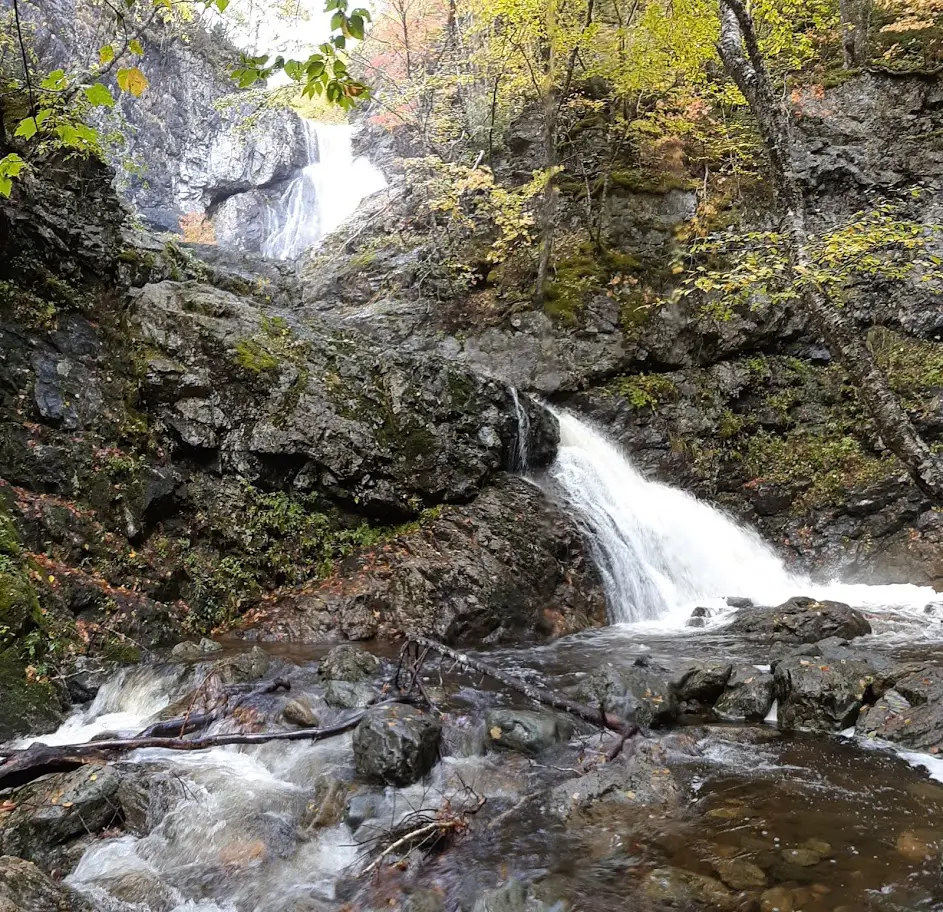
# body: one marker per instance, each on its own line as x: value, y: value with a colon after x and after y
x: 662, y: 551
x: 322, y: 196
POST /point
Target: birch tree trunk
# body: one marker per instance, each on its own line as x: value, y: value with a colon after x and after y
x: 744, y: 63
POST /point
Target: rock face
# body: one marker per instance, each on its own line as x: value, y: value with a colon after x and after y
x: 508, y: 566
x: 396, y: 744
x: 801, y: 620
x: 188, y: 143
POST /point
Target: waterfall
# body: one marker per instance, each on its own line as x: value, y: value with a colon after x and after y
x: 661, y: 551
x: 519, y: 454
x: 328, y: 190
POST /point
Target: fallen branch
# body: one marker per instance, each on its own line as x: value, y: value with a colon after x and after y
x: 24, y: 766
x: 594, y: 715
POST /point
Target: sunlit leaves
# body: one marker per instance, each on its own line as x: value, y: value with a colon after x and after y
x: 99, y: 96
x: 10, y: 167
x: 135, y: 47
x: 132, y: 80
x: 106, y: 55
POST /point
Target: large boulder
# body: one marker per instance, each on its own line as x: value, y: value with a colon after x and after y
x: 24, y: 888
x: 911, y: 712
x: 801, y: 620
x: 747, y: 696
x: 643, y: 692
x: 396, y: 744
x: 819, y: 694
x: 57, y: 812
x: 348, y: 663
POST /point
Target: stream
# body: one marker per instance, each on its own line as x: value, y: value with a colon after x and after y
x: 702, y: 815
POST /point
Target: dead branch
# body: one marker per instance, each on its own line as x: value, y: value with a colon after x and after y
x: 24, y: 766
x: 593, y: 715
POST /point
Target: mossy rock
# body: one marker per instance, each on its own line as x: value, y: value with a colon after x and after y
x: 26, y: 706
x: 19, y: 607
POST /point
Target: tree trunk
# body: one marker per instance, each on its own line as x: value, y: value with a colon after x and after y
x: 893, y: 424
x: 855, y: 17
x: 548, y: 203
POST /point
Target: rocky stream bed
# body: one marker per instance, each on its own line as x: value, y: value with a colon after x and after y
x: 783, y: 766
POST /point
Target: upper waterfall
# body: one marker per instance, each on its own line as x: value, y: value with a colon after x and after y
x: 661, y: 551
x: 326, y: 192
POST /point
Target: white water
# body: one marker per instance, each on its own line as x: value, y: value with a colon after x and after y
x: 323, y: 195
x: 519, y: 453
x: 662, y: 552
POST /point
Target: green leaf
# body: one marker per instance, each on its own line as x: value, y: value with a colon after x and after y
x: 27, y: 128
x: 55, y: 81
x: 100, y: 96
x: 136, y: 47
x: 337, y: 20
x: 355, y: 25
x: 221, y: 5
x: 340, y: 42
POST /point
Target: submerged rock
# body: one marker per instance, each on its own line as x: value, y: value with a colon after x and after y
x: 747, y: 697
x: 348, y: 663
x: 683, y: 889
x: 515, y: 896
x: 525, y: 731
x: 396, y: 744
x: 801, y: 620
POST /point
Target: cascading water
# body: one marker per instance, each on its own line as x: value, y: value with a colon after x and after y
x: 325, y: 193
x: 519, y: 453
x: 661, y: 551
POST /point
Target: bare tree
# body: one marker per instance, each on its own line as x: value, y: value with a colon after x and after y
x: 744, y: 62
x: 855, y: 18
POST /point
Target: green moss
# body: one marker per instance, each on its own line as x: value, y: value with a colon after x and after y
x: 576, y: 278
x: 823, y: 467
x: 640, y: 181
x: 273, y: 345
x: 26, y: 704
x: 252, y: 356
x: 645, y: 391
x: 27, y: 308
x: 914, y: 367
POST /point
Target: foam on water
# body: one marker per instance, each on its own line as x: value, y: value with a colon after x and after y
x: 662, y: 551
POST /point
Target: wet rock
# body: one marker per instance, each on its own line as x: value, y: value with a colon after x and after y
x: 348, y: 663
x: 702, y: 683
x: 299, y: 712
x: 819, y: 694
x: 243, y: 668
x: 738, y: 602
x: 329, y: 804
x: 344, y: 695
x: 804, y: 857
x: 515, y: 896
x: 146, y: 794
x: 740, y: 874
x: 636, y: 777
x: 747, y: 696
x: 777, y: 899
x: 525, y: 731
x: 801, y: 620
x: 188, y: 651
x: 24, y: 888
x: 87, y: 677
x: 58, y: 810
x: 141, y: 888
x: 911, y: 712
x: 680, y: 889
x: 26, y: 706
x: 642, y: 692
x: 396, y: 744
x: 363, y: 806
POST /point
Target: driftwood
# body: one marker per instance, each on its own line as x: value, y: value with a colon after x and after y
x: 594, y: 715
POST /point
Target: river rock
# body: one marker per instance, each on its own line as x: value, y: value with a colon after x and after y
x: 641, y: 691
x: 25, y: 888
x: 740, y: 874
x: 57, y: 811
x: 299, y: 712
x: 801, y: 620
x: 682, y: 889
x: 525, y: 731
x: 243, y: 668
x: 348, y: 663
x: 819, y: 694
x: 702, y: 683
x: 515, y: 896
x: 396, y: 744
x: 911, y: 712
x: 146, y: 794
x: 345, y: 695
x: 748, y: 695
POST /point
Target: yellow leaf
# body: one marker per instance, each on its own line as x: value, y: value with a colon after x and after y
x: 106, y: 55
x: 131, y: 79
x: 495, y: 733
x: 52, y: 579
